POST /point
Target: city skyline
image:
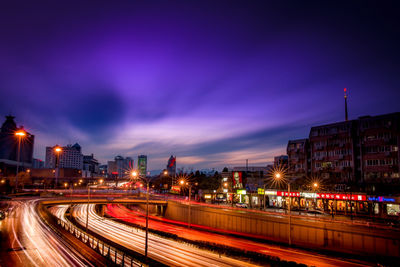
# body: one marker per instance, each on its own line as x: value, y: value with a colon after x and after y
x: 211, y: 84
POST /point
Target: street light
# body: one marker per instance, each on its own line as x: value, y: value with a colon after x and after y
x: 278, y: 176
x: 87, y: 207
x: 58, y: 150
x: 136, y: 175
x: 19, y: 134
x: 315, y: 186
x: 183, y: 182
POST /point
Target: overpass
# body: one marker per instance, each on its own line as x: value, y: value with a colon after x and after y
x: 305, y: 232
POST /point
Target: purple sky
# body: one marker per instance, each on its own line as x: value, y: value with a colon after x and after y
x: 214, y: 83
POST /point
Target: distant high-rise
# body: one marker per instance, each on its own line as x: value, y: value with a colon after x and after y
x: 9, y: 147
x: 37, y: 163
x: 70, y: 157
x: 171, y: 166
x: 142, y: 165
x: 90, y: 166
x: 120, y: 167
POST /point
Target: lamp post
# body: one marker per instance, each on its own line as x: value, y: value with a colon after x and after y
x: 19, y: 134
x: 57, y: 150
x: 182, y: 182
x: 265, y: 206
x: 279, y: 176
x: 87, y: 207
x: 165, y: 193
x: 135, y: 175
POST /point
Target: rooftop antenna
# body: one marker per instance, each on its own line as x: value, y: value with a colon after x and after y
x: 345, y: 104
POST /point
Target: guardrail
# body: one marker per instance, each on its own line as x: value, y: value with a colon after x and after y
x: 116, y: 256
x: 112, y: 254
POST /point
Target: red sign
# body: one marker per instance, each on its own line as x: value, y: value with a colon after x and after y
x: 286, y: 194
x: 237, y: 178
x: 176, y: 188
x: 114, y: 173
x: 355, y: 197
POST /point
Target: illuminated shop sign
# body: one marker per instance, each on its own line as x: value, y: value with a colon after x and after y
x: 207, y: 196
x: 271, y: 192
x: 241, y: 192
x: 176, y: 188
x: 286, y: 194
x: 342, y: 196
x: 237, y: 179
x: 260, y: 191
x: 381, y: 199
x: 308, y: 195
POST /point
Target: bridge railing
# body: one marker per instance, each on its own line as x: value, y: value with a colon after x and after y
x: 113, y: 254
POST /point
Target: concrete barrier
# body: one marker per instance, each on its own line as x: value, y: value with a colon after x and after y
x: 325, y: 235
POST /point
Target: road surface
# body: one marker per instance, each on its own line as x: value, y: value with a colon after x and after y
x: 169, y: 252
x: 27, y: 241
x: 180, y: 229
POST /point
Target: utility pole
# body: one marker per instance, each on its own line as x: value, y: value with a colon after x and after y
x: 147, y: 220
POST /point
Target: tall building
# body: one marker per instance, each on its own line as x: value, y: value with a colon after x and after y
x: 37, y: 164
x: 299, y: 161
x: 70, y: 157
x: 120, y: 167
x: 171, y: 166
x: 379, y: 138
x: 365, y: 150
x: 103, y: 170
x: 142, y: 165
x: 90, y: 166
x: 333, y: 151
x: 9, y: 147
x: 281, y: 160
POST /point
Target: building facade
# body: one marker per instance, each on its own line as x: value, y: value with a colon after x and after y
x: 120, y: 167
x: 70, y: 157
x: 37, y: 164
x: 299, y: 161
x: 171, y: 166
x: 281, y: 160
x: 379, y: 147
x: 90, y: 166
x: 359, y: 151
x: 142, y: 165
x: 9, y: 144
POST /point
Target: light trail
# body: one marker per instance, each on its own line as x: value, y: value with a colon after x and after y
x: 40, y: 245
x: 166, y: 251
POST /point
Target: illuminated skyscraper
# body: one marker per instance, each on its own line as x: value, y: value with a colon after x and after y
x: 142, y: 165
x: 171, y: 166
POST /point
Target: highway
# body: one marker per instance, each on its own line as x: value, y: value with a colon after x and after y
x: 27, y: 241
x: 179, y: 228
x: 166, y: 251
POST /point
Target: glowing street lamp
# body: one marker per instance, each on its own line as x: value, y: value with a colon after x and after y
x: 57, y: 150
x: 315, y: 186
x: 135, y: 174
x: 278, y: 176
x: 19, y: 134
x: 183, y: 182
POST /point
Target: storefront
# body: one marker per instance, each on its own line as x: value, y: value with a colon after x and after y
x: 384, y: 206
x: 345, y: 203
